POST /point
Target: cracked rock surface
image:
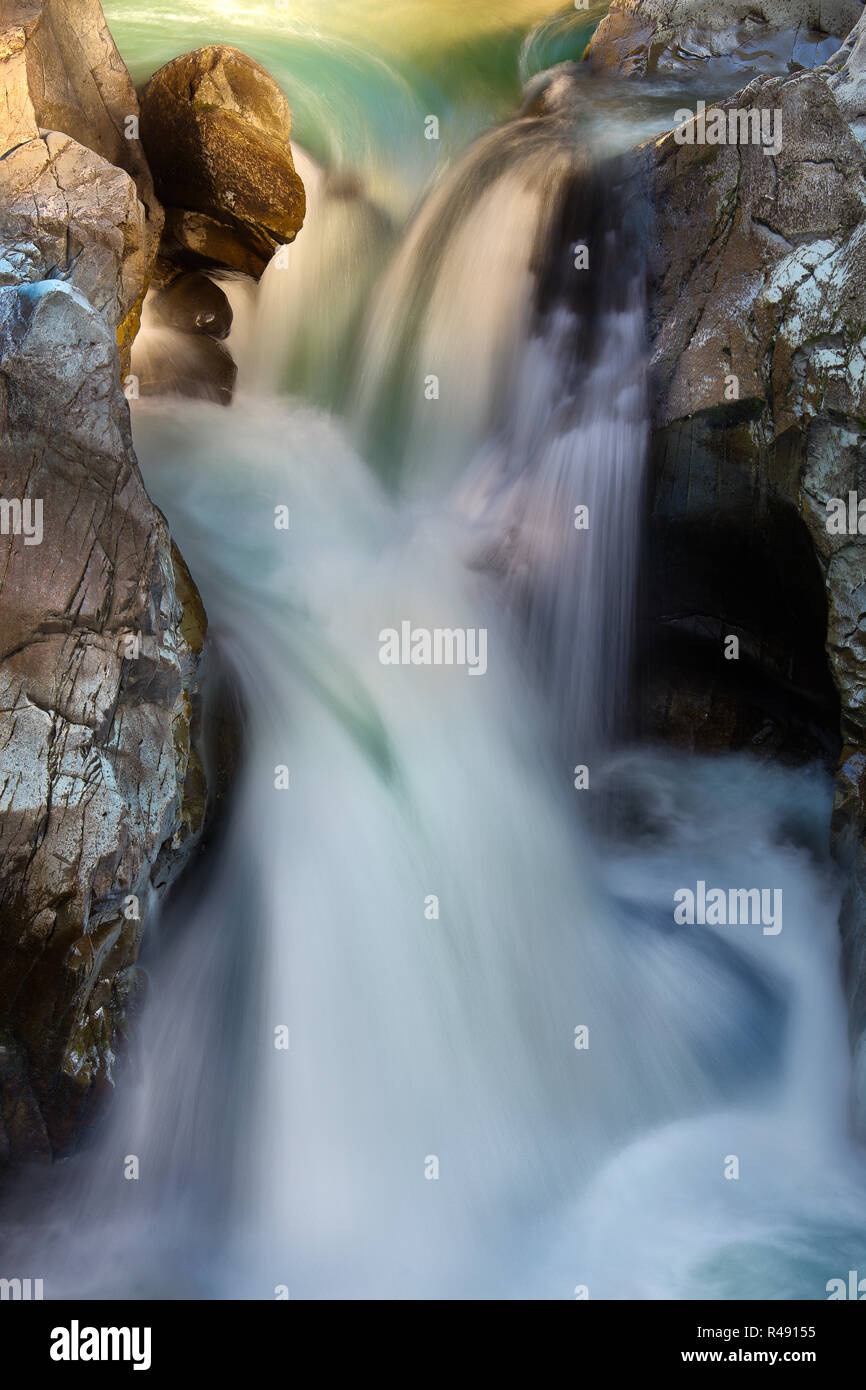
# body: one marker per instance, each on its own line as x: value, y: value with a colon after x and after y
x: 757, y: 276
x: 60, y: 70
x: 67, y: 214
x: 102, y: 792
x: 100, y: 789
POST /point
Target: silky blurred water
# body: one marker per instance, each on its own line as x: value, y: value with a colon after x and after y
x: 361, y: 78
x: 454, y: 1035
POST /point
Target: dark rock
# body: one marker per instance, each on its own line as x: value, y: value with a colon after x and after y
x: 216, y: 129
x: 194, y: 304
x: 729, y: 554
x: 166, y: 361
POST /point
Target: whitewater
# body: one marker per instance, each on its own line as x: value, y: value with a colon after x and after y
x: 424, y: 1024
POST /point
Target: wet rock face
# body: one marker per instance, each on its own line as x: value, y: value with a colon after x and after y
x: 99, y: 782
x: 758, y: 363
x: 718, y: 39
x: 765, y: 266
x: 216, y: 129
x: 102, y: 793
x: 758, y: 314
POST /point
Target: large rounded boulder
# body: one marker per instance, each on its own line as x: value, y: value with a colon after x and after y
x: 216, y: 128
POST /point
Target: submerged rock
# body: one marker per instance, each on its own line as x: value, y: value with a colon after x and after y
x: 216, y: 129
x: 168, y: 361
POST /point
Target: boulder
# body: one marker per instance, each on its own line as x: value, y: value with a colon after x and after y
x: 168, y: 361
x: 193, y: 304
x: 718, y: 39
x: 178, y: 351
x: 216, y: 129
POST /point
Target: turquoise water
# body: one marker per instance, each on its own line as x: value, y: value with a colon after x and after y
x: 359, y: 88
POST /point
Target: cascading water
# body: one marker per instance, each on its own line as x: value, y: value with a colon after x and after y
x: 533, y: 359
x: 510, y: 1070
x: 312, y: 296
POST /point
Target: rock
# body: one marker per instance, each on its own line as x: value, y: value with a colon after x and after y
x: 846, y: 76
x: 776, y: 299
x: 102, y: 792
x: 67, y: 214
x: 216, y: 129
x: 778, y: 243
x: 177, y: 352
x: 757, y: 286
x: 99, y: 653
x: 194, y: 304
x: 718, y: 39
x: 60, y: 70
x: 166, y: 361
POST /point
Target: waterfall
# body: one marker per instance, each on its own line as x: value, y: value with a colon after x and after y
x: 312, y: 295
x: 534, y: 339
x: 425, y: 1025
x: 452, y: 1037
